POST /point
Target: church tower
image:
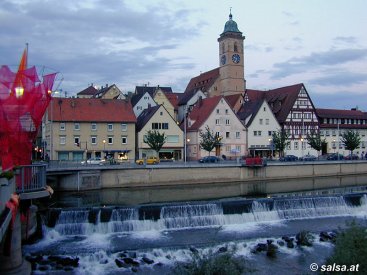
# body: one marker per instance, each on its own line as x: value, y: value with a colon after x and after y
x: 231, y: 70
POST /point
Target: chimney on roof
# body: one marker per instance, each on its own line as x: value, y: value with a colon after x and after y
x: 149, y: 105
x: 106, y: 85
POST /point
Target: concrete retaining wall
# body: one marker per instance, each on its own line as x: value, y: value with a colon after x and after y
x: 222, y: 181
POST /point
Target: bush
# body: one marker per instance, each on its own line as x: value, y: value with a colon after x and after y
x: 351, y: 248
x: 212, y: 264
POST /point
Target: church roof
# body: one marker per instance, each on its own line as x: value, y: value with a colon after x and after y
x: 231, y: 26
x: 201, y: 82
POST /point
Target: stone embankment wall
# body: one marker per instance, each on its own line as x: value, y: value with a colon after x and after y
x: 221, y: 181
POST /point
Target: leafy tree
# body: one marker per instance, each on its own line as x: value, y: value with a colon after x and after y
x: 315, y: 141
x: 281, y: 141
x: 351, y: 140
x: 155, y: 140
x: 209, y: 140
x: 213, y: 263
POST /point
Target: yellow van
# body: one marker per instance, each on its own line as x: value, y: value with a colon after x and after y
x: 149, y: 160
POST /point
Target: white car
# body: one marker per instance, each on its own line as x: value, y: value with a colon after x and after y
x: 93, y: 161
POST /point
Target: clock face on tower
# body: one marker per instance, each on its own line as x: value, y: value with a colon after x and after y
x: 236, y: 58
x: 223, y: 59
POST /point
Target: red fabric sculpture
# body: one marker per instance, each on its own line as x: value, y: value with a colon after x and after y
x: 23, y: 102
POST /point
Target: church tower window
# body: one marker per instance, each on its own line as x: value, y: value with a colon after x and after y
x: 235, y: 48
x: 223, y: 48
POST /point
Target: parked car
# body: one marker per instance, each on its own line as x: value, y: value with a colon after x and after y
x: 211, y: 159
x: 93, y: 161
x: 351, y: 157
x: 308, y: 157
x: 335, y: 156
x: 289, y: 158
x: 149, y: 160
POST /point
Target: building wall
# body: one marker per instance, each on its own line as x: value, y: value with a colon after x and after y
x: 143, y: 104
x: 182, y: 109
x: 333, y: 137
x: 233, y: 145
x: 71, y: 151
x: 161, y: 99
x: 231, y: 73
x: 174, y: 131
x: 260, y: 131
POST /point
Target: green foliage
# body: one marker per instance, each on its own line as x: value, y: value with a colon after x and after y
x: 155, y: 140
x: 315, y: 141
x: 209, y: 140
x: 351, y: 248
x: 280, y: 141
x: 211, y: 264
x: 351, y: 140
x: 7, y: 174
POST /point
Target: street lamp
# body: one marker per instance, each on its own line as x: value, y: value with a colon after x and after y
x: 334, y: 145
x: 104, y: 148
x: 302, y: 148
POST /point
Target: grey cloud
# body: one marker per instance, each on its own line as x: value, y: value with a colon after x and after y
x: 345, y: 39
x: 343, y: 78
x: 318, y: 60
x: 339, y: 99
x: 95, y: 44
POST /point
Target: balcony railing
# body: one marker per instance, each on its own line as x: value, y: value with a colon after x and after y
x: 30, y: 178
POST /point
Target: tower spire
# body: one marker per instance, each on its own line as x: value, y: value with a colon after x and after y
x: 230, y: 13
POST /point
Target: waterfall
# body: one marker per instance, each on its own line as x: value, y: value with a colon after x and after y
x: 196, y: 215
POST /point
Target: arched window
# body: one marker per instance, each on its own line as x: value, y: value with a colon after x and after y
x: 223, y: 48
x: 235, y: 47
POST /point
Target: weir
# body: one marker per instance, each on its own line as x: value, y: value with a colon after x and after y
x: 200, y: 214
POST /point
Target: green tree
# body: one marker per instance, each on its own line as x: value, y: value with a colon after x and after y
x: 315, y: 141
x: 209, y: 140
x: 351, y: 140
x: 350, y: 249
x: 155, y: 140
x: 281, y: 141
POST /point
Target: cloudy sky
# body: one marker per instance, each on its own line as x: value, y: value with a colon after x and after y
x: 321, y: 43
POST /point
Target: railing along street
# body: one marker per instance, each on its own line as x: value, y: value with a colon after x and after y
x: 30, y: 178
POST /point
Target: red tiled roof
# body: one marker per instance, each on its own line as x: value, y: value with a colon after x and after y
x: 91, y: 109
x: 173, y: 98
x: 201, y: 82
x: 89, y: 91
x: 335, y: 113
x: 200, y: 113
x: 233, y: 99
x: 282, y: 100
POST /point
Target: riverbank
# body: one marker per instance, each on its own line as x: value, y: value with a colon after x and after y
x: 138, y: 185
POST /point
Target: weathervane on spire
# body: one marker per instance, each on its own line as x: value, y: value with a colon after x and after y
x: 230, y: 13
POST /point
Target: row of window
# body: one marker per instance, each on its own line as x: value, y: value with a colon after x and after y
x: 259, y: 133
x: 326, y: 133
x: 159, y: 125
x: 228, y: 134
x: 344, y: 121
x: 92, y: 140
x: 226, y: 111
x: 302, y: 115
x: 109, y: 140
x: 93, y: 126
x: 218, y: 121
x: 261, y: 121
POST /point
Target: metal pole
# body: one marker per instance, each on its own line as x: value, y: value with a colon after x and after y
x: 185, y: 149
x: 51, y: 137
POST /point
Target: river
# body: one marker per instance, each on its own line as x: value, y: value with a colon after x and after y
x: 168, y: 233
